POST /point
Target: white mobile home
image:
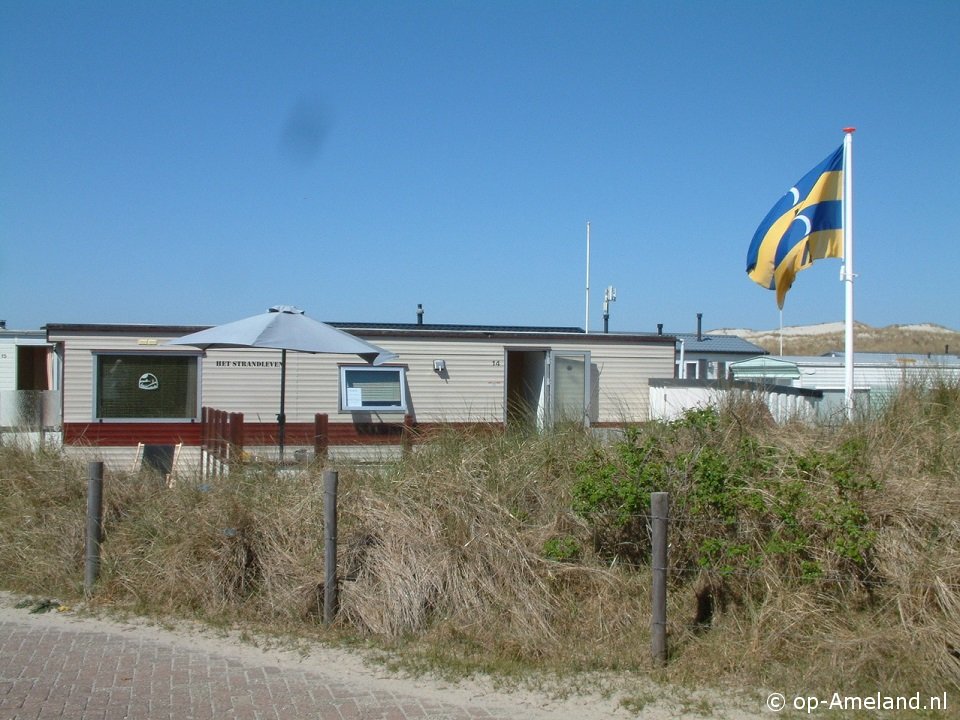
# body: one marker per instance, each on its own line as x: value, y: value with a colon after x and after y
x: 123, y: 385
x: 29, y: 377
x: 876, y: 376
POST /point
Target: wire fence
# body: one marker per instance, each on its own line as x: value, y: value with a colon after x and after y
x: 689, y: 533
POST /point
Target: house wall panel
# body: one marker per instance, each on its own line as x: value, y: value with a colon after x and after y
x: 470, y: 391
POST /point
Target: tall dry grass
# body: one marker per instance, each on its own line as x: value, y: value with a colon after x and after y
x: 449, y: 549
x: 473, y: 553
x: 42, y: 521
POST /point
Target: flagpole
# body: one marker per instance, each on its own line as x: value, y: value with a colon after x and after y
x: 846, y: 273
x: 586, y: 322
x: 781, y: 332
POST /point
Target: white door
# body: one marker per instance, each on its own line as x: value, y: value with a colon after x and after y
x: 569, y: 395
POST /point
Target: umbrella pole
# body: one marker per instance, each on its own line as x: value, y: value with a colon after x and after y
x: 282, y: 418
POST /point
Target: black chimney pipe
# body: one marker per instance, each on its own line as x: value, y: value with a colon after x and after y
x: 419, y: 314
x: 699, y: 327
x: 659, y: 328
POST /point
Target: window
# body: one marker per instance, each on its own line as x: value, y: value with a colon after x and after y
x: 383, y: 389
x: 149, y: 386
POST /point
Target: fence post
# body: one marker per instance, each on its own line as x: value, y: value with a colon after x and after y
x: 330, y: 478
x: 659, y: 517
x: 91, y: 570
x: 236, y: 436
x: 204, y: 430
x: 321, y: 435
x: 406, y: 435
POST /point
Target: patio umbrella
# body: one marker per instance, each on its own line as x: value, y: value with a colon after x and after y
x: 283, y: 328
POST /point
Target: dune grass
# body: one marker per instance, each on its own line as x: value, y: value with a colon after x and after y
x: 802, y: 557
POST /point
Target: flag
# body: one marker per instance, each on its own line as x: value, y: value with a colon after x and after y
x: 805, y: 225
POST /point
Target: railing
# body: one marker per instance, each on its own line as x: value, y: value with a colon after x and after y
x: 224, y: 436
x: 221, y: 440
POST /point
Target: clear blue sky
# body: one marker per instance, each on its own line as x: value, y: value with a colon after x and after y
x: 196, y: 162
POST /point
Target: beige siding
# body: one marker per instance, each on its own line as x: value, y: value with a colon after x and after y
x: 472, y: 389
x: 623, y: 373
x: 231, y: 382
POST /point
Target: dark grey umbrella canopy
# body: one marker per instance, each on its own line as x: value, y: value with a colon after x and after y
x: 283, y: 328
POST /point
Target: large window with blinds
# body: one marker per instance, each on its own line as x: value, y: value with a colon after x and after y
x: 145, y: 386
x: 380, y: 389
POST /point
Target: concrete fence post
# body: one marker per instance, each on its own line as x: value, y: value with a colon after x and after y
x: 91, y: 570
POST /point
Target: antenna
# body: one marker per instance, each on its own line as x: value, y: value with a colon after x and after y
x: 609, y: 296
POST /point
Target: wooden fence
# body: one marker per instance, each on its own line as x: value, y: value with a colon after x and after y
x: 224, y: 435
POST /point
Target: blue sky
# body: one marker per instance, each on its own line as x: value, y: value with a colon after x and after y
x: 198, y: 162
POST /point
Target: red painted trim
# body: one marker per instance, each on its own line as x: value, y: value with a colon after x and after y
x: 130, y: 434
x: 297, y: 434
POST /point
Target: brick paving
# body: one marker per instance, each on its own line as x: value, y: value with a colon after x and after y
x: 57, y: 667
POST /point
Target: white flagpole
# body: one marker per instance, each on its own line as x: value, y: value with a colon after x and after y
x: 846, y: 273
x: 586, y: 322
x: 781, y: 332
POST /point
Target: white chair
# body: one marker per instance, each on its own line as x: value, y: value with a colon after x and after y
x: 156, y: 457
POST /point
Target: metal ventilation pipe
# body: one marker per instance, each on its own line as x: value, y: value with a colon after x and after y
x: 699, y: 327
x: 419, y: 314
x: 659, y: 328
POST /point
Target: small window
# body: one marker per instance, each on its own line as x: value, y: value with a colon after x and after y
x: 148, y: 386
x: 383, y: 389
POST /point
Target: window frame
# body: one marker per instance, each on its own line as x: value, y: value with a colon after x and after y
x: 98, y: 355
x: 399, y: 370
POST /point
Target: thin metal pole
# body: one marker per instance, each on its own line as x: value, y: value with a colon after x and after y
x: 91, y: 570
x: 282, y: 417
x: 586, y: 322
x: 848, y: 274
x: 659, y: 517
x: 330, y: 479
x: 781, y: 332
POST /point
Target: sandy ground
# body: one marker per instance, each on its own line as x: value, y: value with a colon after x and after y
x: 354, y: 668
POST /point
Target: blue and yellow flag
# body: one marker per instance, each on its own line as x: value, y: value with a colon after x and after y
x: 805, y: 225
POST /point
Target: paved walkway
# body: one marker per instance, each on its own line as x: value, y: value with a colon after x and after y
x: 60, y: 667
